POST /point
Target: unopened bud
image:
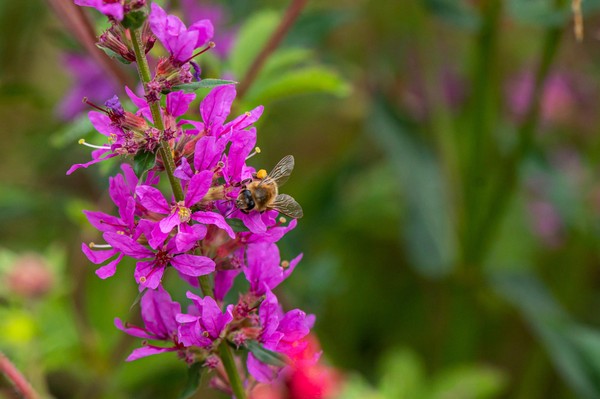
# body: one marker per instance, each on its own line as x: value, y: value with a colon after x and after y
x: 30, y: 277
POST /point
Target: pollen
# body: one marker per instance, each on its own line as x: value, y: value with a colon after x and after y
x: 261, y: 174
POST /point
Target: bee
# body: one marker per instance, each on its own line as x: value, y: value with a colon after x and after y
x: 262, y: 192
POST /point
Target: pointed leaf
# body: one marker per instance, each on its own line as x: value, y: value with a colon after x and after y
x: 203, y: 84
x: 143, y: 161
x: 265, y: 355
x: 193, y: 380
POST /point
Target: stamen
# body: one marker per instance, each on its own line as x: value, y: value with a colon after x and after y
x: 142, y: 279
x: 282, y: 220
x: 91, y: 104
x: 256, y: 151
x: 94, y: 245
x: 204, y: 50
x: 285, y: 264
x: 99, y: 147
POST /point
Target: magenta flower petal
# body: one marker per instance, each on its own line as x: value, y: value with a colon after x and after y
x: 213, y: 218
x: 114, y: 10
x: 148, y: 350
x: 97, y: 256
x: 127, y: 245
x: 159, y: 311
x: 109, y: 269
x: 141, y: 103
x: 152, y: 199
x: 133, y: 330
x: 97, y: 156
x: 148, y: 275
x: 224, y: 281
x: 205, y: 31
x: 167, y: 224
x: 193, y: 265
x: 260, y: 371
x: 216, y: 107
x: 198, y: 187
x: 178, y: 102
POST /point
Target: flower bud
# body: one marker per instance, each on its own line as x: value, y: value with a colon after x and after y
x: 30, y: 277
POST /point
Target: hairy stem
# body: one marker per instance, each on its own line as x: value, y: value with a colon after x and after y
x: 232, y: 372
x: 164, y: 149
x: 286, y: 23
x: 15, y: 376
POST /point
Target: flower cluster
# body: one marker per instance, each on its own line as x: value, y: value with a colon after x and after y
x: 220, y: 219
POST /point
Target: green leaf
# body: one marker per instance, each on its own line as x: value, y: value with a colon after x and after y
x: 469, y: 382
x: 403, y: 363
x: 314, y: 79
x: 455, y: 12
x: 265, y: 355
x: 193, y: 380
x: 237, y: 225
x: 203, y: 84
x: 114, y: 55
x: 72, y: 132
x: 252, y: 37
x: 427, y: 231
x: 143, y: 161
x: 284, y: 59
x: 134, y: 19
x: 554, y: 328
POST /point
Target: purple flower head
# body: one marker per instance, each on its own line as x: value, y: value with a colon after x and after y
x: 148, y: 273
x: 264, y: 270
x: 88, y: 80
x: 179, y: 41
x: 159, y: 315
x: 180, y: 213
x: 110, y: 8
x: 205, y: 323
x: 280, y: 332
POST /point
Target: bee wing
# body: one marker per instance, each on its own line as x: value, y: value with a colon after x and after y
x: 281, y: 172
x: 288, y: 206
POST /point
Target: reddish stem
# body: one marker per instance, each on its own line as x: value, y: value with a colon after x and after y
x: 15, y: 376
x: 291, y: 14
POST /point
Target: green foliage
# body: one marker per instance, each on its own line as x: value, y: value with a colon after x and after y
x: 203, y: 84
x: 193, y: 381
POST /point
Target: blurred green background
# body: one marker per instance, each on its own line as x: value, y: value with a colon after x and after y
x: 446, y: 160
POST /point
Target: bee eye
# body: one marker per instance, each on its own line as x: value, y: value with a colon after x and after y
x: 250, y: 204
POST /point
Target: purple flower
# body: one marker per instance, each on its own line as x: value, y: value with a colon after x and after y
x: 149, y: 273
x: 111, y: 8
x: 280, y: 332
x: 159, y: 315
x: 88, y: 80
x: 264, y: 270
x: 179, y: 41
x: 206, y: 322
x: 180, y: 213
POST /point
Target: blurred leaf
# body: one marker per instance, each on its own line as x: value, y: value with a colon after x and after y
x: 143, y: 161
x: 251, y: 38
x: 193, y: 380
x: 237, y: 225
x: 538, y: 12
x: 428, y: 228
x: 265, y: 355
x: 554, y: 328
x: 455, y: 12
x: 469, y: 382
x: 313, y: 26
x: 314, y: 79
x: 402, y: 376
x: 203, y: 84
x: 283, y: 59
x: 72, y: 132
x: 357, y: 388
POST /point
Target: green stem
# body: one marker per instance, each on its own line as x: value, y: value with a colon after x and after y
x: 232, y: 372
x: 508, y: 178
x: 206, y: 286
x: 477, y: 146
x: 164, y: 149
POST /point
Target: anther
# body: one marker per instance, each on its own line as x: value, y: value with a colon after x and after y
x: 99, y: 147
x: 142, y: 279
x: 94, y: 245
x: 282, y: 220
x: 285, y: 264
x: 204, y: 50
x: 256, y: 149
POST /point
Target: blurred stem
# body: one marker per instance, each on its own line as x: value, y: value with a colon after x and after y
x: 479, y: 133
x: 15, y: 376
x: 508, y: 179
x: 232, y: 372
x: 291, y: 14
x: 164, y: 149
x: 206, y: 286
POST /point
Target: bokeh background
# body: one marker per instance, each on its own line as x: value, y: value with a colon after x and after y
x: 447, y: 159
